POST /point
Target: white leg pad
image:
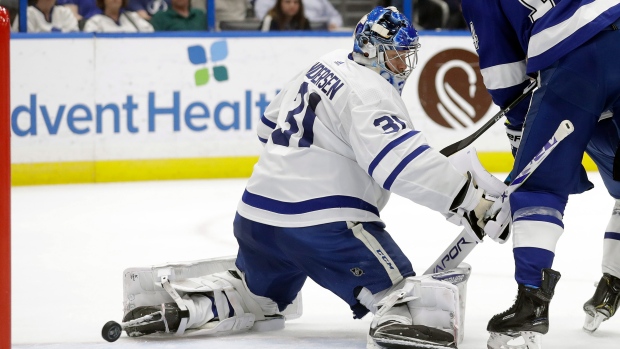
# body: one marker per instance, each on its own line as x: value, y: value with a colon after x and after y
x: 249, y: 309
x: 140, y: 285
x: 434, y: 300
x: 188, y: 284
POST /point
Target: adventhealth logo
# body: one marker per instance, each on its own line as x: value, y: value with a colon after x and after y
x: 148, y: 110
x: 198, y: 56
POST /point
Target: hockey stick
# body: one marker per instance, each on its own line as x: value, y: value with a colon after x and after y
x: 463, y: 143
x: 464, y: 243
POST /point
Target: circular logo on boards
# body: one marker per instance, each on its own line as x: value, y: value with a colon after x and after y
x: 451, y: 89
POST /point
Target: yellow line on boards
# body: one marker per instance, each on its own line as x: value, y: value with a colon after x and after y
x: 131, y: 170
x: 164, y: 169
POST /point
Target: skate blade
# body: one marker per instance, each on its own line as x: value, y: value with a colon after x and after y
x: 520, y: 340
x: 402, y: 344
x: 593, y: 322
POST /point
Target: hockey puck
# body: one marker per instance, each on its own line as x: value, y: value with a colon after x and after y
x: 111, y: 331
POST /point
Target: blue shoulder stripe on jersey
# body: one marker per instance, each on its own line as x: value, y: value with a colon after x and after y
x: 267, y: 122
x: 393, y: 144
x: 392, y: 177
x: 322, y: 203
x: 262, y: 140
x: 613, y: 236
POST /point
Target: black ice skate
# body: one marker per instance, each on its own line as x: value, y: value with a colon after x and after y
x: 527, y: 318
x: 170, y: 321
x: 141, y: 321
x: 603, y: 303
x: 395, y: 335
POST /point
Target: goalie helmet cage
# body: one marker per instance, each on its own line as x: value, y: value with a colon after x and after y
x: 5, y: 182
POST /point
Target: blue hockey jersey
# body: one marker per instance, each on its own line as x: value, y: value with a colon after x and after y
x: 515, y: 38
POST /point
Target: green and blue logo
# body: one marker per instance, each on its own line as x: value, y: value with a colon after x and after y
x: 198, y: 56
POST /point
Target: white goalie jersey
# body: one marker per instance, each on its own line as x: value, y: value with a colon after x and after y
x: 338, y: 139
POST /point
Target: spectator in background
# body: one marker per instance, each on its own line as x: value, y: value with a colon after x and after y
x: 116, y: 19
x: 45, y: 16
x: 455, y: 18
x: 433, y: 14
x: 180, y: 16
x: 286, y: 15
x: 231, y: 10
x: 82, y: 9
x: 147, y: 8
x: 314, y: 10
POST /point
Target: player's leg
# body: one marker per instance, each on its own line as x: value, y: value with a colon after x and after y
x: 604, y: 303
x: 362, y: 264
x: 343, y: 258
x: 537, y: 207
x: 235, y: 299
x: 262, y: 257
x: 207, y: 304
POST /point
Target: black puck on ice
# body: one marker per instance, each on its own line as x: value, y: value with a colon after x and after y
x: 111, y: 331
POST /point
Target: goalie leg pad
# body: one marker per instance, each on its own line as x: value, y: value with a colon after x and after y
x: 142, y: 286
x: 422, y: 311
x: 228, y: 290
x: 218, y: 302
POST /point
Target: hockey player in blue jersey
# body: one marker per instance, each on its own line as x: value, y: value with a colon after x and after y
x: 571, y: 47
x: 338, y: 140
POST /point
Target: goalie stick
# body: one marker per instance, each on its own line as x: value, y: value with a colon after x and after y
x: 463, y: 244
x: 463, y: 143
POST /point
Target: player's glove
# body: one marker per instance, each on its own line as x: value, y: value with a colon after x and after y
x: 470, y: 207
x: 498, y: 220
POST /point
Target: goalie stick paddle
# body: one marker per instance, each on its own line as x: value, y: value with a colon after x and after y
x: 463, y: 244
x: 463, y: 143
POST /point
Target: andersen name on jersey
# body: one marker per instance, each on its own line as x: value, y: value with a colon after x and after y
x: 338, y: 140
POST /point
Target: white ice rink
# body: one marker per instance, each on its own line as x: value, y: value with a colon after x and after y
x: 70, y: 244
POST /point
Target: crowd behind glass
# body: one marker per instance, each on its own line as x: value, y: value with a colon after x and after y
x: 127, y: 16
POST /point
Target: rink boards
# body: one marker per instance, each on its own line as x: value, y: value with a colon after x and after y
x: 146, y: 107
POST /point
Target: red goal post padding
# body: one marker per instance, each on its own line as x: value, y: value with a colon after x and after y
x: 5, y: 182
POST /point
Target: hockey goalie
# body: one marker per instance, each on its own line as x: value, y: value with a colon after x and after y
x: 338, y: 140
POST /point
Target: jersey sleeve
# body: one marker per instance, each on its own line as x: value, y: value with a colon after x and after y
x: 268, y: 120
x: 502, y: 57
x: 398, y: 157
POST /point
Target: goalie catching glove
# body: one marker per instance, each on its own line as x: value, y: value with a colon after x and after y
x: 476, y: 207
x: 470, y: 207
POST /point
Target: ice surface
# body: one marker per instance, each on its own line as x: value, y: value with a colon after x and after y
x: 70, y: 244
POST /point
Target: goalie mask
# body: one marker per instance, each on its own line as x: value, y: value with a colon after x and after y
x: 387, y: 43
